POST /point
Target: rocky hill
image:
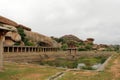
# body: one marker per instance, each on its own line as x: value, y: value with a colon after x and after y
x: 14, y: 37
x: 71, y: 38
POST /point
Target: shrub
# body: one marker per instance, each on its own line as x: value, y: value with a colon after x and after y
x: 82, y: 49
x: 87, y: 68
x: 64, y: 47
x: 23, y: 37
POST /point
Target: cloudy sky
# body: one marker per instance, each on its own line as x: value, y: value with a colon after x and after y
x: 99, y: 19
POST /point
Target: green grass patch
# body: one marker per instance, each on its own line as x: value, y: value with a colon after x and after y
x: 104, y: 75
x: 96, y: 76
x: 64, y: 62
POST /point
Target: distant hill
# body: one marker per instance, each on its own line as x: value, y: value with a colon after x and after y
x: 71, y: 38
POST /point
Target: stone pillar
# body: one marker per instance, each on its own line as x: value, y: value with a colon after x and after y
x: 41, y: 49
x: 17, y: 49
x: 25, y: 49
x: 75, y: 51
x: 1, y: 51
x: 28, y: 49
x: 20, y: 49
x: 3, y: 31
x: 32, y: 49
x: 13, y: 49
x: 37, y: 49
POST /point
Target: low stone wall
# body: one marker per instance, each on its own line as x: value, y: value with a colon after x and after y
x: 39, y: 56
x: 31, y: 57
x: 104, y: 64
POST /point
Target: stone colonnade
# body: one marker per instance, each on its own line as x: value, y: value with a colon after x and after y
x: 72, y: 50
x: 26, y: 49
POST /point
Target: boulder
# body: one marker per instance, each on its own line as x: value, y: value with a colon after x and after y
x: 41, y: 39
x: 22, y: 43
x: 8, y: 42
x: 14, y: 36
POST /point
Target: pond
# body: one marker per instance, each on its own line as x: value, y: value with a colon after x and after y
x: 87, y: 63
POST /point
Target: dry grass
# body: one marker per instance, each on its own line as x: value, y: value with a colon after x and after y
x: 15, y: 71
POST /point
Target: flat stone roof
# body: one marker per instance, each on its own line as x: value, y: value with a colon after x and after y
x: 5, y: 28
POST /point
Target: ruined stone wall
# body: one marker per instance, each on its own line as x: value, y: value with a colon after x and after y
x: 31, y: 57
x: 39, y: 56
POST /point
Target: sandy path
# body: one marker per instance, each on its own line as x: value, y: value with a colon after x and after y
x: 115, y: 68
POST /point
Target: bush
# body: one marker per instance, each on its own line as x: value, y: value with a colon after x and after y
x: 23, y: 37
x: 87, y: 68
x: 64, y: 47
x: 82, y: 49
x: 17, y: 43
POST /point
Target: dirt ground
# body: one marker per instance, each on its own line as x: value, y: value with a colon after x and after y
x: 115, y: 68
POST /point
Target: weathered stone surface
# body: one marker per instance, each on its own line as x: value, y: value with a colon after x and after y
x: 24, y: 27
x: 90, y: 40
x: 7, y: 21
x: 36, y: 37
x: 8, y: 42
x: 22, y: 43
x: 14, y: 36
x: 12, y: 28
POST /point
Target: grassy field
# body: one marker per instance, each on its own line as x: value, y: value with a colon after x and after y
x: 15, y: 71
